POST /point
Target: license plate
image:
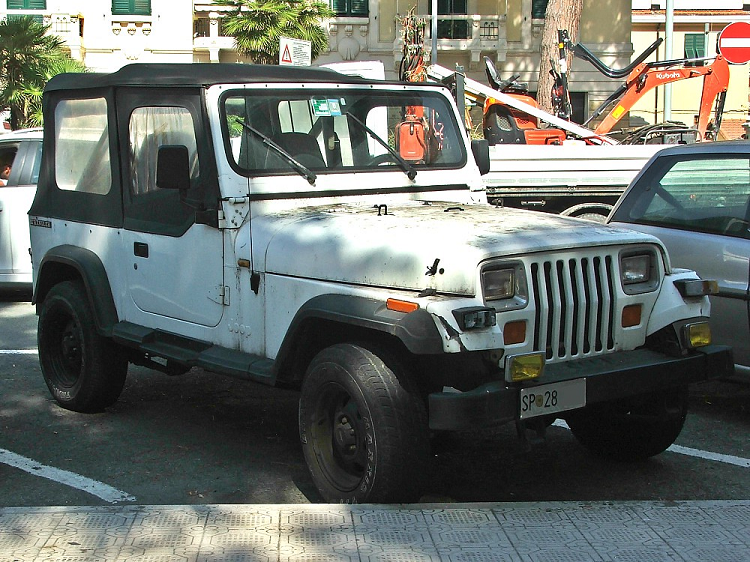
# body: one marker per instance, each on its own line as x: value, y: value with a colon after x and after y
x: 551, y: 398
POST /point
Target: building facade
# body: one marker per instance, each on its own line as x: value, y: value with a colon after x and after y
x: 107, y: 34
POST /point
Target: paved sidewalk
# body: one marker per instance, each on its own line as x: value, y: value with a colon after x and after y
x: 704, y: 531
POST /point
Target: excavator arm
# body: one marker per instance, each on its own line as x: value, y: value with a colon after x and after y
x: 647, y: 76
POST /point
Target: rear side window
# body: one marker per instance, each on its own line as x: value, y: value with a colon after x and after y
x: 82, y: 158
x: 705, y: 194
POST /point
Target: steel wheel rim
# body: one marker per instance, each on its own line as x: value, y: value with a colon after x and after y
x: 339, y: 437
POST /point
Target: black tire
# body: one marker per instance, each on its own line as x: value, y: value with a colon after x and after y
x: 84, y: 371
x: 363, y: 428
x: 635, y: 431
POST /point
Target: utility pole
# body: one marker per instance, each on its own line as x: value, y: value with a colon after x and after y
x: 668, y: 36
x: 433, y: 32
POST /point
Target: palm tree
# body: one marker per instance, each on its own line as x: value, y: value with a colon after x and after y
x: 29, y: 98
x: 27, y: 59
x: 257, y: 25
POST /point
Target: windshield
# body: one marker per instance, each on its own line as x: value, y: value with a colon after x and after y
x: 340, y: 130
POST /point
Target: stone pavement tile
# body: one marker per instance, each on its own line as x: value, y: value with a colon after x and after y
x: 642, y: 554
x: 23, y: 534
x: 722, y: 554
x: 392, y: 534
x: 468, y: 534
x: 315, y: 533
x: 561, y: 554
x: 84, y: 533
x: 733, y: 516
x: 167, y: 533
x: 542, y: 514
x: 601, y: 514
x: 240, y: 533
x: 544, y: 531
x: 470, y: 554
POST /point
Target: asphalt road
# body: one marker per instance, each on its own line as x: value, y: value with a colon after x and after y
x: 204, y: 439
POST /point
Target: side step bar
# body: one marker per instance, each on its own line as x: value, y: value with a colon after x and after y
x: 193, y: 353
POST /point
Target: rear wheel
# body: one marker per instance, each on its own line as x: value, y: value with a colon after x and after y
x: 634, y: 430
x: 363, y: 428
x: 84, y: 371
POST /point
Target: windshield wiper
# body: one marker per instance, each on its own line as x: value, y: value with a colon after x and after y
x: 408, y: 169
x: 300, y: 168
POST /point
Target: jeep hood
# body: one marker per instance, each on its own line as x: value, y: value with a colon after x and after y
x: 396, y: 246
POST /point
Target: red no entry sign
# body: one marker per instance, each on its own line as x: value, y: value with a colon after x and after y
x: 734, y: 42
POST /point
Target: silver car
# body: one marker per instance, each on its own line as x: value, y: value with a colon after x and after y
x: 20, y: 156
x: 695, y: 198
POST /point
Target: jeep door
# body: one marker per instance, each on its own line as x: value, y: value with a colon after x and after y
x: 175, y: 260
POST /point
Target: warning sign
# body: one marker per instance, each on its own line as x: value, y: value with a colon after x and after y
x: 295, y: 52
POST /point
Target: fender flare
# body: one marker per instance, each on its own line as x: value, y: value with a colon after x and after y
x: 67, y: 262
x: 416, y: 330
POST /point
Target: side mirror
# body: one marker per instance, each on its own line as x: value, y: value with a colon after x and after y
x: 481, y: 151
x: 173, y: 168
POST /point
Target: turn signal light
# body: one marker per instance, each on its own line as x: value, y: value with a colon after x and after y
x: 514, y: 332
x: 631, y: 315
x: 401, y: 306
x: 696, y: 287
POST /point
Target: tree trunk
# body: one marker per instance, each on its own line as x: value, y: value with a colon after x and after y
x: 561, y: 14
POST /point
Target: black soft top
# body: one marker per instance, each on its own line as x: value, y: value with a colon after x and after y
x: 198, y: 74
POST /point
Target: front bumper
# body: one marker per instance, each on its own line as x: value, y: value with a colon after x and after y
x: 608, y: 377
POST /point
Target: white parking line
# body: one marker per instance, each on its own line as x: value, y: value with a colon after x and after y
x: 18, y: 352
x: 93, y: 487
x: 680, y: 450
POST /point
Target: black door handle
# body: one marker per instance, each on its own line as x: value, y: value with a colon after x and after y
x: 140, y: 249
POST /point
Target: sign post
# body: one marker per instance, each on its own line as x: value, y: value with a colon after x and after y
x: 733, y: 42
x: 295, y: 52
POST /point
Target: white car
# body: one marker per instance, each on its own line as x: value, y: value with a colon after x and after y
x: 696, y: 200
x: 24, y: 150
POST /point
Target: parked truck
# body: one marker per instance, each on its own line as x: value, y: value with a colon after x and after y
x: 249, y: 221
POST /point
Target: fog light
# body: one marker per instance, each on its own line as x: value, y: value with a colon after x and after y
x: 697, y: 334
x: 524, y: 367
x: 475, y: 317
x: 631, y: 315
x: 514, y: 332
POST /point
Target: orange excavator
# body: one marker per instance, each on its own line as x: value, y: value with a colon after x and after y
x: 503, y: 124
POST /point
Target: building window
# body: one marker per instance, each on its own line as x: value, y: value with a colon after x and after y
x: 538, y: 9
x: 351, y: 8
x: 131, y: 7
x: 695, y: 46
x: 451, y: 29
x: 27, y: 4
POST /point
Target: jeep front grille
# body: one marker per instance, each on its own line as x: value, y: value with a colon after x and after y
x: 574, y: 299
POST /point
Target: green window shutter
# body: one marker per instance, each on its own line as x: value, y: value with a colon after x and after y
x: 359, y: 7
x: 131, y: 7
x: 142, y: 7
x: 350, y: 7
x: 120, y: 6
x: 695, y: 46
x: 538, y: 9
x: 27, y: 4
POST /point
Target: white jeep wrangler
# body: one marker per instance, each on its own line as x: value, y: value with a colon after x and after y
x: 299, y: 226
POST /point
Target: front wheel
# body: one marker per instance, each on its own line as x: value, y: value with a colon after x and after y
x: 84, y: 371
x: 632, y: 430
x: 363, y: 428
